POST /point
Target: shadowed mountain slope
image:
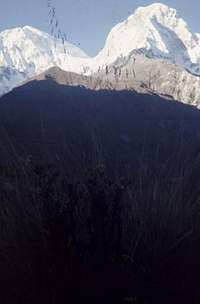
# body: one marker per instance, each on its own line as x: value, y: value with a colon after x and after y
x: 100, y: 198
x: 46, y: 120
x: 139, y: 73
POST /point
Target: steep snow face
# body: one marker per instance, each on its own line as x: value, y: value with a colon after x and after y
x: 25, y: 52
x: 9, y: 79
x: 31, y: 51
x: 158, y: 31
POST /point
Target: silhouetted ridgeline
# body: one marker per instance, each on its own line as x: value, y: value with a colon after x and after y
x: 99, y: 197
x: 48, y: 121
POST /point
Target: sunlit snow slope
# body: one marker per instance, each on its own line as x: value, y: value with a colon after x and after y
x: 156, y: 31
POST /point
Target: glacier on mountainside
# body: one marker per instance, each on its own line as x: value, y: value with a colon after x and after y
x: 156, y: 31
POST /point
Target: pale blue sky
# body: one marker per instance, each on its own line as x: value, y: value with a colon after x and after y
x: 86, y: 22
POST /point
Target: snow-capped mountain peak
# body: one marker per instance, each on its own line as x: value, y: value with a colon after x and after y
x: 159, y: 32
x: 159, y: 9
x: 156, y: 31
x: 27, y: 51
x: 32, y: 51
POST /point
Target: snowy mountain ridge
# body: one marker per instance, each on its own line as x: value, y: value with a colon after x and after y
x: 159, y: 32
x: 32, y: 51
x: 156, y: 31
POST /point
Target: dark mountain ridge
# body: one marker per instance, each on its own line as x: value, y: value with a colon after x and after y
x: 99, y: 196
x: 44, y: 119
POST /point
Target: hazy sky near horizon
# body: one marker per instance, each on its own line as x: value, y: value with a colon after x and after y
x: 86, y: 22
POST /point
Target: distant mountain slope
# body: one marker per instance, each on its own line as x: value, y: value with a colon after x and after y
x: 62, y: 77
x: 158, y: 32
x: 30, y: 52
x: 138, y: 73
x: 97, y: 81
x: 155, y: 34
x: 46, y: 121
x: 157, y: 75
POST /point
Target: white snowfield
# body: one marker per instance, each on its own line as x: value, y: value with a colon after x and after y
x: 156, y: 30
x: 159, y: 32
x: 31, y: 51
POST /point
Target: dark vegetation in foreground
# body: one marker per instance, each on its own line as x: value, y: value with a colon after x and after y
x: 99, y: 197
x: 98, y: 239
